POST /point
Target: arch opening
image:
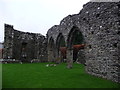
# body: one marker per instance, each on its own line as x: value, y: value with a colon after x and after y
x: 51, y: 53
x: 76, y: 44
x: 61, y: 47
x: 24, y: 51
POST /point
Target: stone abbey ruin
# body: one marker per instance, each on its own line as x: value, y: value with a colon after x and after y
x: 24, y: 46
x: 91, y: 37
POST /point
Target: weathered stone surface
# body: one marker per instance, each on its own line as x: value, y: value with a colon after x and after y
x: 24, y: 46
x: 99, y: 24
x: 69, y: 64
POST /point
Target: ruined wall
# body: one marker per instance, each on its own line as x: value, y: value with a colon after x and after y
x: 99, y: 24
x: 100, y: 27
x: 102, y: 53
x: 24, y: 46
x: 8, y: 41
x: 1, y: 50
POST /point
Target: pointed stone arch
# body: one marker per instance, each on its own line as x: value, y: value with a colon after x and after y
x: 61, y: 47
x: 75, y: 37
x: 51, y: 50
x: 75, y: 44
x: 23, y: 51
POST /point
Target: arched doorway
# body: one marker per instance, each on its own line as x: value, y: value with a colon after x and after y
x: 24, y: 52
x: 51, y: 49
x: 61, y: 47
x: 75, y: 43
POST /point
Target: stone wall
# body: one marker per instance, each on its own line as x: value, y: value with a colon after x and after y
x: 23, y: 45
x: 102, y: 57
x: 1, y: 50
x: 99, y: 24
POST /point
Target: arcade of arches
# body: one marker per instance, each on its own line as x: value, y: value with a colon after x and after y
x: 91, y: 37
x: 67, y: 49
x: 51, y: 50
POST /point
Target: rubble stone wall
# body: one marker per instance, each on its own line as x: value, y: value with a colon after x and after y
x: 23, y: 45
x: 99, y: 24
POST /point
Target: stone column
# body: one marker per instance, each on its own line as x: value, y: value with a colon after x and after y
x: 69, y: 58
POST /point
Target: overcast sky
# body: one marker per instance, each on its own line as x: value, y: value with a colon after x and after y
x: 36, y: 16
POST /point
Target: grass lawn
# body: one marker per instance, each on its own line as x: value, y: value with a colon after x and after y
x: 37, y: 75
x: 0, y: 76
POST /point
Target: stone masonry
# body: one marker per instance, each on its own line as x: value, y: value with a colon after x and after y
x: 91, y: 37
x: 99, y: 24
x: 24, y: 46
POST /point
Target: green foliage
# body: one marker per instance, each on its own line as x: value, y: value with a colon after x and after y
x: 78, y: 38
x: 62, y: 42
x: 37, y: 75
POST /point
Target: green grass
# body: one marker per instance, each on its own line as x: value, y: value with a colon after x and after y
x: 0, y: 76
x: 37, y: 75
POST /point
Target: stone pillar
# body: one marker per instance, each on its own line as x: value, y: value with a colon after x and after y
x: 8, y: 43
x: 57, y: 58
x: 69, y: 54
x: 50, y: 56
x: 69, y: 58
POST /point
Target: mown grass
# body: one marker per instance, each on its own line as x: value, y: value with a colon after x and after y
x: 0, y: 76
x: 37, y: 75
